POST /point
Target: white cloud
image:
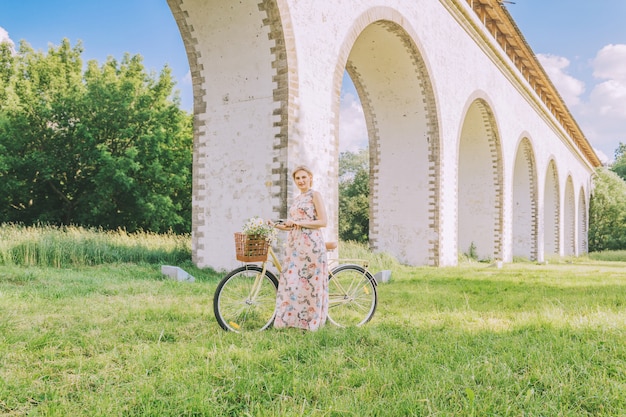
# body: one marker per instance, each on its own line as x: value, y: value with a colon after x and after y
x: 187, y: 78
x: 604, y: 158
x: 569, y: 87
x: 609, y: 96
x: 605, y: 111
x: 602, y: 114
x: 4, y: 37
x: 609, y: 99
x: 352, y: 128
x: 609, y: 63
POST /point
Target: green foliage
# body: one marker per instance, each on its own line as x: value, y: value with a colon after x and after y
x: 108, y: 147
x: 619, y: 166
x: 354, y: 193
x: 607, y: 212
x: 471, y: 255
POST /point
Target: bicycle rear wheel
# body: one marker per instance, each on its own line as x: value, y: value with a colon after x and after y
x: 352, y: 296
x: 245, y: 300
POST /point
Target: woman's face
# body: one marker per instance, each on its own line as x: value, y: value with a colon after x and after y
x: 302, y: 180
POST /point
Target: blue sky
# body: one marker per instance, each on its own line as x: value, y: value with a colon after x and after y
x: 581, y: 43
x: 582, y: 46
x: 106, y: 28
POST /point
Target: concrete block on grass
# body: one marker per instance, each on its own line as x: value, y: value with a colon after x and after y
x: 383, y: 276
x: 176, y: 273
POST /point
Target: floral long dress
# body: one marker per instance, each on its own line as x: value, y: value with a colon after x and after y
x: 302, y: 298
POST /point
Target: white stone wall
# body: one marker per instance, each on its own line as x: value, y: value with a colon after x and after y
x: 438, y: 94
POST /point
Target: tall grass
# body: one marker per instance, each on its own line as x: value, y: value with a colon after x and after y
x: 68, y: 246
x: 612, y: 256
x: 376, y: 261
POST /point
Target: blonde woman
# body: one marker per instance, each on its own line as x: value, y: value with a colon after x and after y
x: 302, y: 297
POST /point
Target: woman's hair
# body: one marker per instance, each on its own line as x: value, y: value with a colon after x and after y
x: 301, y: 168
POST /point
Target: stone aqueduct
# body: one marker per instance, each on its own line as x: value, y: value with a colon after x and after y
x: 470, y: 143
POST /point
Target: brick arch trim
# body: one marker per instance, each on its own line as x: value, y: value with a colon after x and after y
x: 583, y: 222
x: 199, y: 129
x: 285, y: 93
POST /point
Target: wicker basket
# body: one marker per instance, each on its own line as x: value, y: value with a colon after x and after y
x: 251, y: 248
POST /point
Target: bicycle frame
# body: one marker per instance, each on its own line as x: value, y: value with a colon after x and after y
x: 256, y: 287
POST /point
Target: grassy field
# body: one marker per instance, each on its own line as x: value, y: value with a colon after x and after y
x: 112, y: 337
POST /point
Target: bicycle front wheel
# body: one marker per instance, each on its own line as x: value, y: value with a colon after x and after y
x: 245, y: 300
x: 352, y: 296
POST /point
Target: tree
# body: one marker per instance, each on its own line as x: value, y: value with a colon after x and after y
x: 108, y: 147
x: 354, y: 193
x: 619, y: 166
x: 607, y: 212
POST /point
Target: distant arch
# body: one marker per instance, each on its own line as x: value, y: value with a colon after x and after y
x: 583, y: 242
x: 525, y: 202
x: 569, y: 218
x: 551, y: 211
x: 480, y: 195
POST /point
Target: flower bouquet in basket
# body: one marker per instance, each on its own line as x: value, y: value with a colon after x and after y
x: 254, y: 241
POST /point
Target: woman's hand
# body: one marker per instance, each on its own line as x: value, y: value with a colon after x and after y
x: 283, y: 224
x: 291, y: 225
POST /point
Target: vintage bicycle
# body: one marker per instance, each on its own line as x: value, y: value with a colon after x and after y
x: 245, y: 299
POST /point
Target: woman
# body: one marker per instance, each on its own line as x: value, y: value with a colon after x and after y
x: 302, y: 298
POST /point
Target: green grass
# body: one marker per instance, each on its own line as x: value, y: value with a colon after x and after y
x: 117, y: 339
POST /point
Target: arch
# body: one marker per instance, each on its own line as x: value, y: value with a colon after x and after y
x: 403, y: 133
x: 551, y: 211
x: 569, y: 218
x: 260, y: 89
x: 583, y: 242
x: 480, y: 194
x: 525, y: 202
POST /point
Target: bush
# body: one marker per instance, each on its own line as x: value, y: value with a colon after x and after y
x: 607, y: 212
